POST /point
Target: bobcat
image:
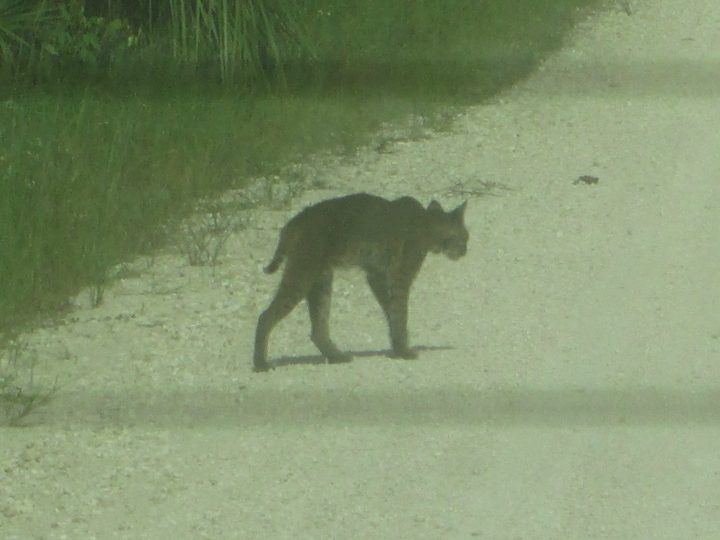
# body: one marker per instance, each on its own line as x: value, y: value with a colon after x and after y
x: 387, y: 239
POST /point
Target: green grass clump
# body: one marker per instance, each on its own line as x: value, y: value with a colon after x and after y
x: 92, y: 169
x: 86, y: 180
x: 463, y: 49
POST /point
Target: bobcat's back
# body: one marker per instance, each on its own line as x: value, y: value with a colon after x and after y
x: 369, y: 231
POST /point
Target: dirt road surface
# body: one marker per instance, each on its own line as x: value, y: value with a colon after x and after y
x: 567, y: 386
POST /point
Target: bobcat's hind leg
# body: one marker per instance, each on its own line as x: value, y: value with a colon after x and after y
x: 287, y: 297
x: 395, y: 308
x: 318, y: 300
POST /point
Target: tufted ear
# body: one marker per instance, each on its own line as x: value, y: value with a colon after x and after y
x: 459, y: 212
x: 435, y: 206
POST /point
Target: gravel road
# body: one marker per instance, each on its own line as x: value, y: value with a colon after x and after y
x: 568, y: 382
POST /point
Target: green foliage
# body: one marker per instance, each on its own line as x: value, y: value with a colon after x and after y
x: 83, y: 44
x: 45, y: 40
x: 18, y: 18
x: 399, y: 46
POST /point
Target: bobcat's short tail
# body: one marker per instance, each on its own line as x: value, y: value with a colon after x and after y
x: 279, y: 256
x: 275, y: 263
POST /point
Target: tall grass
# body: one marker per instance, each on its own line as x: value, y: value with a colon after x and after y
x: 89, y: 177
x: 417, y: 46
x: 85, y: 179
x: 462, y: 48
x: 18, y: 18
x: 243, y: 39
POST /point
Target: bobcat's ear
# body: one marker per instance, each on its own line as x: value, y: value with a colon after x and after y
x: 460, y: 211
x: 435, y: 206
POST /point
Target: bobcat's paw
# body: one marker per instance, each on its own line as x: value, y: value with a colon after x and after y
x: 407, y: 354
x: 261, y: 367
x: 339, y: 358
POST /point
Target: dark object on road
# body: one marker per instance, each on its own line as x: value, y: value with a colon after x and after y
x: 586, y: 179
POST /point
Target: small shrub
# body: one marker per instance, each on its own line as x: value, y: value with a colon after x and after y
x: 17, y: 398
x: 202, y: 240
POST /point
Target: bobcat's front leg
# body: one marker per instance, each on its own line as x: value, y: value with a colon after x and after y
x: 262, y: 333
x: 397, y: 314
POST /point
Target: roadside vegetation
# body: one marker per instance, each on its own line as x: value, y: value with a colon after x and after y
x: 117, y: 116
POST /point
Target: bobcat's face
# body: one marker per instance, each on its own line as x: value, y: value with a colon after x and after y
x: 450, y: 236
x: 454, y: 244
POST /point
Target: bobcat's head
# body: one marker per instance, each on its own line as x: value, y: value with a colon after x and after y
x: 448, y: 232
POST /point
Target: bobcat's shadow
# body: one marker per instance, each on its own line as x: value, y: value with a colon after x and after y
x: 312, y: 359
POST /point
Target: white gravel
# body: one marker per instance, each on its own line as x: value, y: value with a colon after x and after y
x: 569, y: 386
